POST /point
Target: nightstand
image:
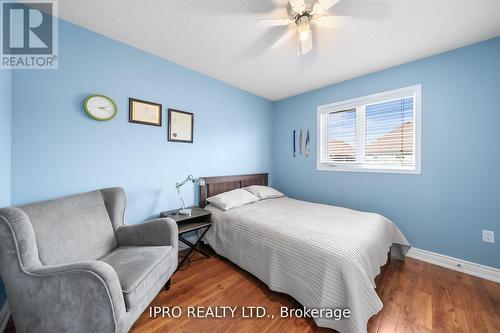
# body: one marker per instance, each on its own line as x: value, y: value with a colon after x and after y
x: 199, y: 219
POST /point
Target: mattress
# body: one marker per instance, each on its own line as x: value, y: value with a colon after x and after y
x: 325, y: 257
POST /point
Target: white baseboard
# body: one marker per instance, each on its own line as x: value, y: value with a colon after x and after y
x: 4, y: 316
x: 459, y: 265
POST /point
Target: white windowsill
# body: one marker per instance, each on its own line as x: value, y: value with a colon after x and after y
x: 350, y: 168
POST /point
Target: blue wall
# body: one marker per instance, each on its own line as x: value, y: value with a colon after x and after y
x: 443, y: 209
x: 5, y: 135
x: 5, y: 146
x: 58, y: 150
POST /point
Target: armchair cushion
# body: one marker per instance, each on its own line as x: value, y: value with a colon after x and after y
x: 139, y: 268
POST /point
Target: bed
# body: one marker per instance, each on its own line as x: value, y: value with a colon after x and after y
x: 324, y: 256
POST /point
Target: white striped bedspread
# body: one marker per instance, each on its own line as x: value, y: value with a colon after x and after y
x: 325, y: 257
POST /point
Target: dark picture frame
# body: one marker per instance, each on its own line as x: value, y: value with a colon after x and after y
x: 134, y: 103
x: 172, y: 130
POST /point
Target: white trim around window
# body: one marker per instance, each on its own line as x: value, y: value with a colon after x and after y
x: 353, y: 157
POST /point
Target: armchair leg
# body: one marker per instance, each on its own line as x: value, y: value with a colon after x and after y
x: 167, y: 285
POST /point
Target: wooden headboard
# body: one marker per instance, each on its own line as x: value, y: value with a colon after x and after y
x: 216, y: 185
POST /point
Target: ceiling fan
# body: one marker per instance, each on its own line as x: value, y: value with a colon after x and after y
x: 302, y: 14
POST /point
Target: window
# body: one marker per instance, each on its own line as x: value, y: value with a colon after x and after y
x: 376, y: 133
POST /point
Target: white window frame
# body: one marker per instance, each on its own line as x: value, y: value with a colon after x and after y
x: 359, y: 104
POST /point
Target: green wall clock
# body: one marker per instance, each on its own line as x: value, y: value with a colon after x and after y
x: 100, y: 107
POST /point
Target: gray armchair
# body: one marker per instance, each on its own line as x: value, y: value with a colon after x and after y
x: 71, y: 265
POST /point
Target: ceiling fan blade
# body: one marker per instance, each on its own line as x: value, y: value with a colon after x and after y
x: 332, y: 21
x: 297, y: 5
x: 273, y: 22
x: 292, y: 30
x: 327, y: 4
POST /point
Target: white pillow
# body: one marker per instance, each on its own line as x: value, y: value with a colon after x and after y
x: 264, y: 192
x: 232, y: 199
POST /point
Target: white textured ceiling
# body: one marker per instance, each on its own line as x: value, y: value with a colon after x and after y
x: 220, y: 38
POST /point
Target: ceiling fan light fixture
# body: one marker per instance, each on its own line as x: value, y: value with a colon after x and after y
x: 304, y: 31
x: 304, y: 45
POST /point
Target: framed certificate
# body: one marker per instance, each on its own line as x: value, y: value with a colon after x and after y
x: 180, y: 126
x: 143, y: 112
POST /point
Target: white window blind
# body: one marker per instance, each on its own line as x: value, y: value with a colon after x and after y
x: 389, y: 133
x: 377, y: 133
x: 341, y: 136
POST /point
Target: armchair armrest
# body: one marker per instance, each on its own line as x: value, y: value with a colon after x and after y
x: 158, y: 232
x: 88, y: 290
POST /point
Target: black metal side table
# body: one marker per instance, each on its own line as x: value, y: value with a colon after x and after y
x: 199, y: 219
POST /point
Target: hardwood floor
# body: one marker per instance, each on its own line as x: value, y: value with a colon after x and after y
x: 417, y: 297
